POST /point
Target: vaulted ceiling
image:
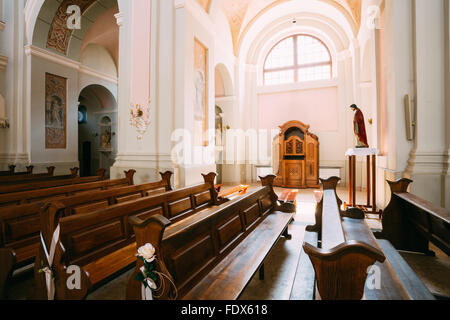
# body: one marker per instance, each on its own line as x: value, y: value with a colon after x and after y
x: 242, y: 12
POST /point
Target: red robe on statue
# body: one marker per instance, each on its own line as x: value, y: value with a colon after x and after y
x: 360, y: 129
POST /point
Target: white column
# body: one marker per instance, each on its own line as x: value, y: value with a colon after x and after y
x: 428, y: 157
x: 137, y: 85
x: 446, y: 190
x: 15, y: 140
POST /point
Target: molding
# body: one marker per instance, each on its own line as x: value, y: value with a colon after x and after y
x: 2, y: 25
x: 427, y: 163
x: 31, y: 50
x: 3, y: 62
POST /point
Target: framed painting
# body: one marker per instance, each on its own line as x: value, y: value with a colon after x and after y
x: 201, y: 94
x: 55, y: 112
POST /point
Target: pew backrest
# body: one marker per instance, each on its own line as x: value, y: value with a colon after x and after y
x: 30, y: 196
x: 28, y: 176
x: 410, y: 222
x: 12, y: 169
x: 20, y: 225
x: 50, y: 182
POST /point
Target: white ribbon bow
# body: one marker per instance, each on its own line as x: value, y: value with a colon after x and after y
x: 49, y: 280
x: 146, y: 292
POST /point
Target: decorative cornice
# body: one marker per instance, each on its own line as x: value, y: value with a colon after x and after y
x: 2, y: 25
x: 3, y: 62
x: 66, y: 62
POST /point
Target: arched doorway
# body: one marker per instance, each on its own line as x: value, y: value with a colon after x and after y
x: 97, y: 127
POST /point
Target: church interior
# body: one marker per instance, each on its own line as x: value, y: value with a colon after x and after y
x: 224, y: 150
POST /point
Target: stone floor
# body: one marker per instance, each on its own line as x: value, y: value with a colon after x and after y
x: 281, y: 264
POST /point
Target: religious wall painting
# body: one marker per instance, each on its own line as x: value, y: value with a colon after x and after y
x: 201, y: 94
x: 55, y: 111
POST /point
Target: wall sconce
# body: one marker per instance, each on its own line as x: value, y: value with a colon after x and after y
x: 370, y: 121
x: 4, y: 123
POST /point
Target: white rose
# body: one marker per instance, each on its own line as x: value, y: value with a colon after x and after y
x: 147, y: 252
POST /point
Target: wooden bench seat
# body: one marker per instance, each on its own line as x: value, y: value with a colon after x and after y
x: 50, y: 182
x: 230, y: 277
x: 413, y: 285
x: 303, y: 287
x: 214, y: 254
x: 101, y: 269
x: 347, y: 249
x: 100, y: 242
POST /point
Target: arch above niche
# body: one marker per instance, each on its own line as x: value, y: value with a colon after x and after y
x: 59, y: 34
x: 271, y: 31
x: 47, y: 27
x: 243, y: 14
x: 228, y: 86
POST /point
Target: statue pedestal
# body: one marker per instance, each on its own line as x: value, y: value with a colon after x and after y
x: 371, y: 154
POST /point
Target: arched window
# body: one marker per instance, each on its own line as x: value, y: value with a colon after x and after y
x: 297, y: 58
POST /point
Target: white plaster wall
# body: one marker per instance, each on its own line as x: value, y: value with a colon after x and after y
x: 99, y: 59
x: 63, y: 159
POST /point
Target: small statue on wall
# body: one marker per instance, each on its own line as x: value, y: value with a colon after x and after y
x: 106, y: 139
x: 359, y: 128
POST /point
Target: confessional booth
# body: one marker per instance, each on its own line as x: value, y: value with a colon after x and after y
x: 296, y: 157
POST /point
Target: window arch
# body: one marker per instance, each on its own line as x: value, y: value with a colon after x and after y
x: 298, y: 58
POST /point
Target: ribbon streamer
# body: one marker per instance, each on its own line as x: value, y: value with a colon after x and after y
x: 49, y: 279
x: 146, y: 292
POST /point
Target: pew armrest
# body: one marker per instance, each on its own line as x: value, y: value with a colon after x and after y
x: 333, y: 267
x: 287, y: 208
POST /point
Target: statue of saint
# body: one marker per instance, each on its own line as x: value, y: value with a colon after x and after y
x: 359, y: 128
x: 106, y: 139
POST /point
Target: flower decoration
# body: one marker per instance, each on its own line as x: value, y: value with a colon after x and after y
x: 152, y: 281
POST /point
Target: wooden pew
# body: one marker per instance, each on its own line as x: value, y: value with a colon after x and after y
x: 29, y: 178
x: 213, y: 255
x: 102, y: 242
x: 30, y: 196
x: 348, y: 249
x: 20, y: 225
x: 50, y: 182
x: 12, y: 169
x: 26, y: 177
x: 411, y: 223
